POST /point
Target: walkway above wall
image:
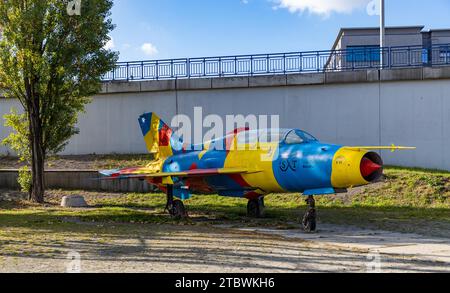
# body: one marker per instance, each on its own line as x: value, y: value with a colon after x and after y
x: 361, y: 76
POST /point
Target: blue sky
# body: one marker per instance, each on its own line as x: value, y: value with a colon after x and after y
x: 160, y: 29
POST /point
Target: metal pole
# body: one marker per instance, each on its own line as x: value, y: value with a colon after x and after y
x: 382, y: 32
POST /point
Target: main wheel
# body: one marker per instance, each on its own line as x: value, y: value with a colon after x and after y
x: 310, y: 221
x: 178, y: 210
x: 255, y: 208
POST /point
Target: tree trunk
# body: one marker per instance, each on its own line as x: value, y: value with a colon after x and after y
x: 38, y: 189
x: 37, y: 153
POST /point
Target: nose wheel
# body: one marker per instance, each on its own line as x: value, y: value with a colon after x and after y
x: 309, y: 222
x: 176, y: 208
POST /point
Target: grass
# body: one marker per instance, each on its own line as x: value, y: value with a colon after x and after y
x: 408, y: 200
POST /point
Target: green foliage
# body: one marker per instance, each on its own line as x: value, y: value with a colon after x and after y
x: 18, y: 140
x: 25, y: 179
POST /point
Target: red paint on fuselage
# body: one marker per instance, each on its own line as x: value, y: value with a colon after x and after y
x: 199, y: 185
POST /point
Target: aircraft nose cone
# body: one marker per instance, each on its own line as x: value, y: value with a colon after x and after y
x: 368, y: 167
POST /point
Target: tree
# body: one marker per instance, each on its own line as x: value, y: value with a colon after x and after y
x: 52, y: 60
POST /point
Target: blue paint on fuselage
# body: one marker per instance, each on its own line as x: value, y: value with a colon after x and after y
x: 212, y: 159
x: 305, y: 166
x: 190, y: 160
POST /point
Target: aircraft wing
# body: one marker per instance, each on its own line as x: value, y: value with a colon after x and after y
x: 143, y: 173
x: 392, y: 148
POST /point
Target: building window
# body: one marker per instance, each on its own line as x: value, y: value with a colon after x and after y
x: 444, y: 52
x: 363, y: 54
x: 426, y: 56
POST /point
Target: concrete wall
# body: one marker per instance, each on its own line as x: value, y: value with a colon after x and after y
x: 78, y: 180
x: 405, y: 107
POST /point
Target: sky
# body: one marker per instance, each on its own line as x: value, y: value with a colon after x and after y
x: 165, y: 29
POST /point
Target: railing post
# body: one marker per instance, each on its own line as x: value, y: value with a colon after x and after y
x: 204, y: 66
x: 251, y: 65
x: 300, y: 63
x: 284, y: 63
x: 188, y: 68
x: 128, y: 71
x: 353, y: 62
x: 157, y: 70
x: 317, y: 64
x: 447, y: 54
x: 389, y: 58
x: 334, y: 60
x: 268, y: 64
x: 142, y: 70
x: 235, y: 66
x: 409, y: 57
x: 220, y: 67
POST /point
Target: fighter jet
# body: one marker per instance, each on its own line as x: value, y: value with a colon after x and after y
x: 251, y: 164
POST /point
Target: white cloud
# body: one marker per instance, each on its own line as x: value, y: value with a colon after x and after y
x: 321, y: 7
x: 110, y: 44
x: 149, y: 49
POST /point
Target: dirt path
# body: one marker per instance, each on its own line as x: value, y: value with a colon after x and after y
x: 189, y: 249
x: 413, y: 246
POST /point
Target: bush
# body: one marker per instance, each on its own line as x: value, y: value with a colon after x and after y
x: 18, y: 141
x: 25, y: 179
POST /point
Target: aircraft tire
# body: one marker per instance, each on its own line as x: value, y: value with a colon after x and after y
x: 255, y: 208
x: 309, y: 221
x: 178, y: 210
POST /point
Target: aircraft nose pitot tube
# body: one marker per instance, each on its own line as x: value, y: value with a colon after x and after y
x: 355, y: 168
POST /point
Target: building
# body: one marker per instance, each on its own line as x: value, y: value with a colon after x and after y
x: 405, y: 46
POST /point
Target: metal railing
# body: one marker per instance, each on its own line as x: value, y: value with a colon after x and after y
x: 282, y: 63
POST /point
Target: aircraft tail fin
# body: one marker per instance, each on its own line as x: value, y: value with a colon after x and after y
x: 159, y: 137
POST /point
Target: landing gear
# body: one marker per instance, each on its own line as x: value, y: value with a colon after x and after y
x: 175, y: 208
x: 256, y: 208
x: 310, y: 219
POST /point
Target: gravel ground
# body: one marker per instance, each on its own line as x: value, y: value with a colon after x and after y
x: 193, y: 249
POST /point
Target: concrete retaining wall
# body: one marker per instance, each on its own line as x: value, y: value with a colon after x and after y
x: 402, y: 106
x: 77, y: 180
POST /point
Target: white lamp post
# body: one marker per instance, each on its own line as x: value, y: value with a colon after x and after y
x: 382, y: 32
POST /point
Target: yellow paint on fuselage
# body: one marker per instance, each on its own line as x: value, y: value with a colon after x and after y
x: 346, y: 170
x: 256, y: 157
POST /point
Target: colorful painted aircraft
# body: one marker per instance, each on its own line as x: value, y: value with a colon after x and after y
x: 251, y: 164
